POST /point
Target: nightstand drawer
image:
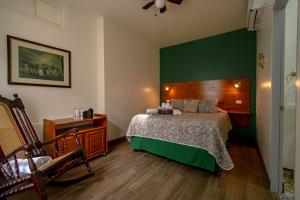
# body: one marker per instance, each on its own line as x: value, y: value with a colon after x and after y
x: 239, y: 119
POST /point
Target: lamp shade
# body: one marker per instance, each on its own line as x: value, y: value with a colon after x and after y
x: 160, y: 3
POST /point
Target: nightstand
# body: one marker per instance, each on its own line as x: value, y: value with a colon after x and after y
x: 92, y: 133
x: 239, y: 118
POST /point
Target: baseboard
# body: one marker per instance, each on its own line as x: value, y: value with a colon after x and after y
x: 117, y: 140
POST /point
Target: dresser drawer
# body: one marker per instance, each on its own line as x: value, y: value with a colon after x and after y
x: 69, y: 144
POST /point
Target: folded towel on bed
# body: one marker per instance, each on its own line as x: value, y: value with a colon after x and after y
x: 177, y: 112
x: 151, y: 111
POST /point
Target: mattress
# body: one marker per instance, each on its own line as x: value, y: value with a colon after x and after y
x: 187, y: 155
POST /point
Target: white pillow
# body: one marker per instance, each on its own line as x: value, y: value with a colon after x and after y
x: 191, y: 105
x: 177, y: 104
x: 207, y: 106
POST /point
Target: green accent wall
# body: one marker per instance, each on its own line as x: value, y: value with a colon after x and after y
x: 224, y: 56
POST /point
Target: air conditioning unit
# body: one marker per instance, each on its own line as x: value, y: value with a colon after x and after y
x: 254, y: 14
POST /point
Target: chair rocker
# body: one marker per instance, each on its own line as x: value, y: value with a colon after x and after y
x: 18, y: 140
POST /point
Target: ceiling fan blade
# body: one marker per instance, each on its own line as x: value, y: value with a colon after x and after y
x: 176, y: 1
x: 164, y: 9
x: 148, y: 5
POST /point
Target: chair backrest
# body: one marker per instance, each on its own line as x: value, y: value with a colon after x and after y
x: 10, y: 135
x: 15, y: 127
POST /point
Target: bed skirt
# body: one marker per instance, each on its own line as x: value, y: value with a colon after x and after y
x: 188, y: 155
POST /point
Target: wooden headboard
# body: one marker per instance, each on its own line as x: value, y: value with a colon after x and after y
x: 226, y: 91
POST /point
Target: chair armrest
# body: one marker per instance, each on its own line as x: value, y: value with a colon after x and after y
x: 27, y: 148
x: 58, y: 146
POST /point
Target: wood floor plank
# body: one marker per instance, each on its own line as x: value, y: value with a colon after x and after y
x: 125, y: 174
x: 214, y: 193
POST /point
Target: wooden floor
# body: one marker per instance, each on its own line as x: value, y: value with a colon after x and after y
x: 128, y: 175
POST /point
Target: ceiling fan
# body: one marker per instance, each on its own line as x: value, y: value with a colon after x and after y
x: 161, y: 4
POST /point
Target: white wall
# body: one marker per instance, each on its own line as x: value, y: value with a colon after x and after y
x: 101, y: 67
x: 78, y: 35
x: 117, y: 74
x: 131, y: 76
x: 263, y: 88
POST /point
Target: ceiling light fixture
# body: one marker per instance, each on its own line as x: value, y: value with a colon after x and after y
x: 160, y: 3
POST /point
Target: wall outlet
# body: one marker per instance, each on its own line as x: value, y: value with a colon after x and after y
x: 238, y: 102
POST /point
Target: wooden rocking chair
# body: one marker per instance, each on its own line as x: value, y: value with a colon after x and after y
x: 18, y: 139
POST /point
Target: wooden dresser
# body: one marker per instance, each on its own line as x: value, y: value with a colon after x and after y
x: 92, y: 133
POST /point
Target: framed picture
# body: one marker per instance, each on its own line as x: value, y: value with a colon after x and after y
x: 31, y: 63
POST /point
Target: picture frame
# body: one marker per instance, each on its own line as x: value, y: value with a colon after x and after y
x: 36, y: 64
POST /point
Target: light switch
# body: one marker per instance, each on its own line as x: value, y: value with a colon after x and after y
x: 239, y: 102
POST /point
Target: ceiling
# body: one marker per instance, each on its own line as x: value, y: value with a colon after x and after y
x: 193, y: 19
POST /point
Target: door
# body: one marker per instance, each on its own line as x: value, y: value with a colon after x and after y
x: 95, y: 142
x: 297, y: 154
x: 288, y: 100
x: 285, y: 88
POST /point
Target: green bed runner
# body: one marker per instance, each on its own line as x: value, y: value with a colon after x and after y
x: 188, y: 155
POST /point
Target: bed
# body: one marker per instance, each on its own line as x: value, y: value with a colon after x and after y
x: 195, y: 139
